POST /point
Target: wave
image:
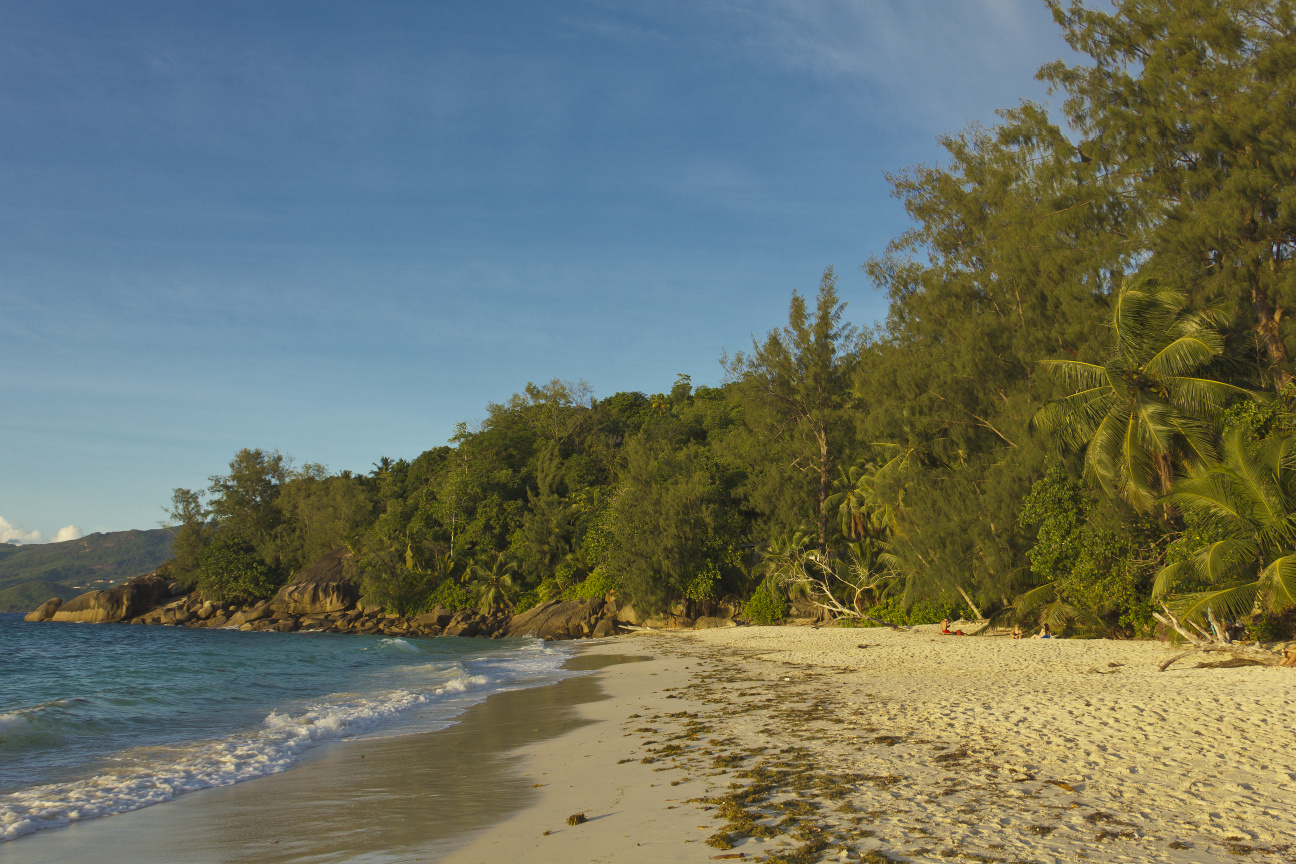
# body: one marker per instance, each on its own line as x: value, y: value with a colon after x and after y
x: 151, y: 775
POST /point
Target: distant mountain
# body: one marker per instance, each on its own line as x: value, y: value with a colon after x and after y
x: 26, y: 596
x: 30, y: 575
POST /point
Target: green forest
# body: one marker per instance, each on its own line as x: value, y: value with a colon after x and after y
x: 1079, y: 407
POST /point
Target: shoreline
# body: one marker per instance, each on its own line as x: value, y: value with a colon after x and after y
x: 375, y: 799
x: 785, y: 744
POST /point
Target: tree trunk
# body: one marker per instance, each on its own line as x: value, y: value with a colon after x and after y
x: 824, y: 484
x: 1267, y: 319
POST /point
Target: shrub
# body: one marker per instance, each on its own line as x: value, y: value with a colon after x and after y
x: 597, y: 584
x: 922, y: 612
x: 703, y: 585
x: 451, y: 595
x: 230, y: 571
x: 765, y: 607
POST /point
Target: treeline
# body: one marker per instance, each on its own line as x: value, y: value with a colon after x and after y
x: 1069, y: 414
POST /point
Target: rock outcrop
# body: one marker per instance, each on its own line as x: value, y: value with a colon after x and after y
x: 124, y: 601
x: 319, y: 589
x: 559, y: 619
x: 321, y: 599
x: 45, y: 611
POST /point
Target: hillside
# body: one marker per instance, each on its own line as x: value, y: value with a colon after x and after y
x: 29, y: 575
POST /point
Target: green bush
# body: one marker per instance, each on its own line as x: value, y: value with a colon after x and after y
x: 451, y: 595
x: 765, y: 607
x: 230, y: 571
x: 922, y: 612
x: 597, y: 584
x: 703, y: 585
x: 529, y: 600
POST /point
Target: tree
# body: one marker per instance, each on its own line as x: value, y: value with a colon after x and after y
x: 230, y: 570
x: 244, y: 499
x: 1185, y: 109
x: 493, y: 581
x: 1095, y: 558
x: 669, y: 519
x: 1152, y: 406
x: 797, y: 386
x: 543, y: 537
x: 1016, y: 244
x: 191, y: 530
x: 1249, y: 502
x: 318, y: 512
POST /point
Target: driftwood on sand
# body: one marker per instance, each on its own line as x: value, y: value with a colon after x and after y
x: 1217, y: 641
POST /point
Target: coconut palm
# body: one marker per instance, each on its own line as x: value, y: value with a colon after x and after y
x: 1154, y: 404
x: 494, y: 582
x: 860, y: 504
x: 1250, y: 501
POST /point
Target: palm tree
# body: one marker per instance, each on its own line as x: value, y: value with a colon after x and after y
x: 1250, y: 501
x: 859, y: 504
x: 494, y: 582
x: 1154, y: 403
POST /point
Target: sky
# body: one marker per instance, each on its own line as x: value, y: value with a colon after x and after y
x: 337, y: 229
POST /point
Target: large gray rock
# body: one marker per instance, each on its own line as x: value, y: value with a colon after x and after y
x: 122, y: 602
x: 438, y: 617
x: 320, y: 588
x: 557, y: 619
x: 467, y: 628
x: 626, y: 614
x: 709, y: 622
x: 45, y: 611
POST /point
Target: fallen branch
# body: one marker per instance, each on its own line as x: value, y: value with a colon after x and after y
x: 1209, y: 643
x: 1166, y: 665
x: 1171, y: 621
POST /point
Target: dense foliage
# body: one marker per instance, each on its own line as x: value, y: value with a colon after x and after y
x: 1081, y: 309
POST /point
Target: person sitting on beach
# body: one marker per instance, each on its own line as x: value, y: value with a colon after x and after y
x: 945, y: 631
x: 1289, y: 655
x: 1045, y: 633
x: 1016, y: 634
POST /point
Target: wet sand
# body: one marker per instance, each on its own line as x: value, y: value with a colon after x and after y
x: 406, y: 798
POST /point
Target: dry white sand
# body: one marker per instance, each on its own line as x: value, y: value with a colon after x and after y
x: 917, y: 747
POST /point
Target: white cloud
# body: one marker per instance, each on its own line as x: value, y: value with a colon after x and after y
x: 10, y: 533
x: 67, y: 532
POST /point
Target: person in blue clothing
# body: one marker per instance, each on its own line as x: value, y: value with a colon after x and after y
x: 1045, y: 633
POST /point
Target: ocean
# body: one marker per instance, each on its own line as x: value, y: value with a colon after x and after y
x: 97, y: 719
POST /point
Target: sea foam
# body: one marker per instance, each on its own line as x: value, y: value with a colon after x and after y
x: 143, y: 776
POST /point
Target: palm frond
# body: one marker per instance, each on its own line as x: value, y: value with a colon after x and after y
x: 1231, y: 602
x: 1074, y: 373
x: 1185, y: 355
x: 1074, y: 418
x: 1204, y: 397
x: 1035, y: 598
x: 1223, y: 561
x: 1278, y: 582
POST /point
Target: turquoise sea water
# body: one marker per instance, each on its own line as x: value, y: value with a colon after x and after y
x: 99, y: 719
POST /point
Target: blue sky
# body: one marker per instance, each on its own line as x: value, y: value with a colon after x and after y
x: 338, y: 228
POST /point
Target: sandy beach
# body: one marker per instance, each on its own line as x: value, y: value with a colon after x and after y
x: 793, y: 744
x: 781, y: 744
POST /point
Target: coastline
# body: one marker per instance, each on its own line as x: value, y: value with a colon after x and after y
x: 372, y: 799
x: 785, y: 744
